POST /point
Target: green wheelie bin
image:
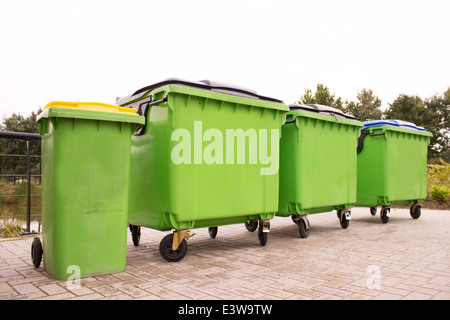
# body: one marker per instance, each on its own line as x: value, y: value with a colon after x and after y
x: 207, y: 156
x: 85, y: 167
x: 317, y: 164
x: 392, y: 166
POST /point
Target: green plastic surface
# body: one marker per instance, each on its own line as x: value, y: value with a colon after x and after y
x: 210, y: 190
x: 317, y: 163
x: 392, y: 168
x: 85, y: 167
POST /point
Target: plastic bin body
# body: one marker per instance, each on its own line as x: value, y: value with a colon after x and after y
x: 392, y: 164
x: 205, y: 192
x: 317, y: 163
x: 85, y: 165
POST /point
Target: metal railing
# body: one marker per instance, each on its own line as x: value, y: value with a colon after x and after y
x: 27, y: 137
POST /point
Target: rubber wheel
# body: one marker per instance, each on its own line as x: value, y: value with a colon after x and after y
x: 165, y: 249
x: 251, y: 225
x: 373, y: 210
x: 136, y: 234
x: 343, y: 220
x: 36, y: 252
x: 416, y: 213
x: 262, y: 236
x: 304, y: 233
x: 383, y: 215
x: 213, y: 232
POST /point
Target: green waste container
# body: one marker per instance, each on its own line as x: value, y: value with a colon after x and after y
x: 207, y: 156
x: 85, y: 168
x: 392, y: 166
x: 317, y: 164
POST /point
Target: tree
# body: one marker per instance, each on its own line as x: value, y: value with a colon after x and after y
x: 408, y: 108
x: 18, y: 165
x: 432, y: 114
x: 366, y: 108
x: 322, y: 96
x: 439, y: 107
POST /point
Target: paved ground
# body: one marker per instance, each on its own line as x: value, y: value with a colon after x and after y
x: 404, y: 259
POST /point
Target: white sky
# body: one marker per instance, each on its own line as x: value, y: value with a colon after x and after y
x: 96, y: 50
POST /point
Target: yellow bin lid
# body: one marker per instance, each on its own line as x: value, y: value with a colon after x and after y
x: 92, y: 106
x: 90, y: 110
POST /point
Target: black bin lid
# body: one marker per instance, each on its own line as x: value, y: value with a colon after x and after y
x: 321, y: 109
x: 215, y: 86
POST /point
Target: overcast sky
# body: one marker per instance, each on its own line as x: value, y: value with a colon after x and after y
x: 96, y: 50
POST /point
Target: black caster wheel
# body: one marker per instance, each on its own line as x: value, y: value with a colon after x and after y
x: 135, y: 234
x: 343, y: 219
x: 415, y: 211
x: 384, y: 215
x: 36, y: 252
x: 303, y: 229
x: 251, y: 225
x: 165, y: 249
x: 262, y: 236
x: 373, y: 210
x: 213, y: 232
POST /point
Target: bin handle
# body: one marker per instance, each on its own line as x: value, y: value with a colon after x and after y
x: 365, y: 133
x: 377, y: 134
x: 291, y: 120
x: 144, y: 113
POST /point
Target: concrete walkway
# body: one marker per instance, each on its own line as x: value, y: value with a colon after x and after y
x: 403, y: 259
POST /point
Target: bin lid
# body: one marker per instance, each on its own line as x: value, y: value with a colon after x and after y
x: 93, y: 106
x: 215, y: 86
x: 321, y: 109
x: 393, y: 123
x: 90, y: 110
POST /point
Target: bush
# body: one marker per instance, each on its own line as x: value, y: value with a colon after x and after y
x: 439, y: 194
x: 438, y: 182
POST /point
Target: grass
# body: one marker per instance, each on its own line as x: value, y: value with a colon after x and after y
x: 13, y: 207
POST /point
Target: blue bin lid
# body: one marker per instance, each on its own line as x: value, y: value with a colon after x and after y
x: 394, y: 123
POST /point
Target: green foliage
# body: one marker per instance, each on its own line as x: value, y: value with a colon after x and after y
x: 10, y: 228
x: 439, y: 194
x: 438, y: 174
x: 432, y: 114
x: 322, y: 96
x: 18, y: 165
x: 13, y: 207
x: 367, y: 107
x: 439, y: 125
x: 19, y: 123
x: 408, y: 108
x: 438, y: 181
